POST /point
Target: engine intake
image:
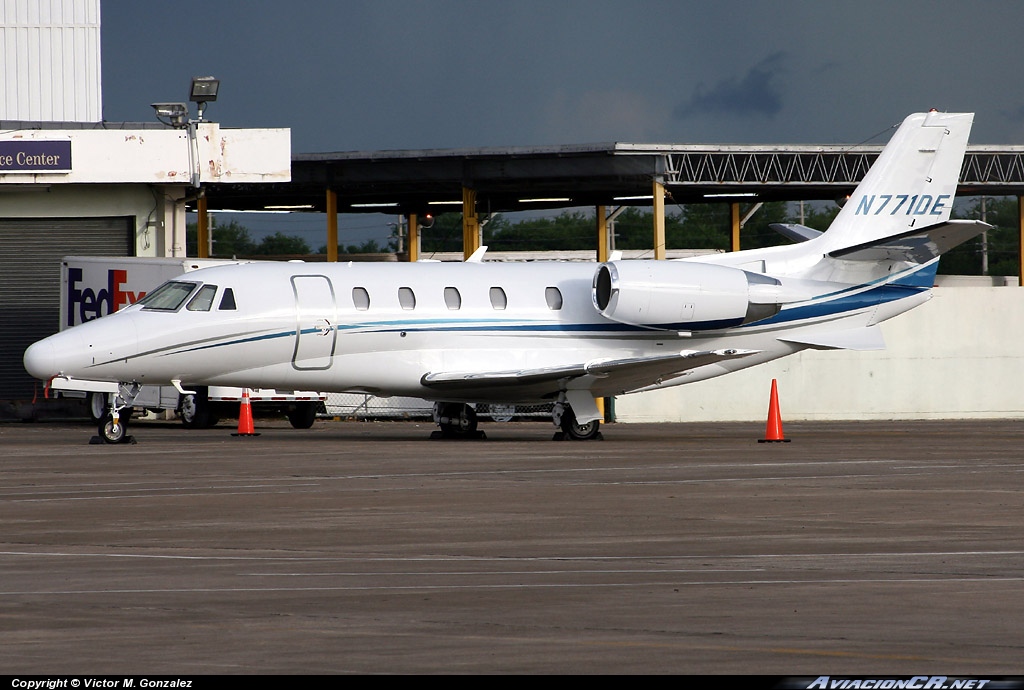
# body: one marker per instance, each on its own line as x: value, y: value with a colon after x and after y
x: 683, y: 295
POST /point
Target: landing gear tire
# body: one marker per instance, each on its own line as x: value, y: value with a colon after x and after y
x: 115, y: 433
x: 196, y: 411
x: 457, y: 420
x: 303, y: 416
x: 97, y: 406
x: 574, y: 431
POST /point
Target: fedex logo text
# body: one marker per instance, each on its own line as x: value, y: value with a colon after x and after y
x: 88, y: 304
x: 892, y: 204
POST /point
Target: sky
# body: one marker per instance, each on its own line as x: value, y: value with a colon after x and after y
x: 355, y: 75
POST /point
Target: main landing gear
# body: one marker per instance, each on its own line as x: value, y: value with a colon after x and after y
x: 571, y: 430
x: 113, y: 425
x: 457, y: 420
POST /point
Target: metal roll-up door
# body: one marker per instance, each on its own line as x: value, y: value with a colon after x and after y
x: 30, y: 253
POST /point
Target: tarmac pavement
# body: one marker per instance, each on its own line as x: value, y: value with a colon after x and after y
x: 361, y: 547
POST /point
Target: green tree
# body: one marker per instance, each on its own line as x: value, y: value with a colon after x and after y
x: 1003, y: 240
x: 229, y: 240
x: 281, y: 244
x: 445, y: 235
x: 567, y: 230
x: 819, y: 218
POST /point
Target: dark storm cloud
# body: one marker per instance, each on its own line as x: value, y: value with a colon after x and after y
x: 1015, y: 115
x: 757, y: 93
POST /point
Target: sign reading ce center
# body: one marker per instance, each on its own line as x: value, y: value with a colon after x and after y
x: 35, y: 156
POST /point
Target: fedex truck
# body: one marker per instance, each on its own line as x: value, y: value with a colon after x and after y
x: 93, y: 286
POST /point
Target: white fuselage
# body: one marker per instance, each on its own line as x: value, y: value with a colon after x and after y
x: 380, y: 328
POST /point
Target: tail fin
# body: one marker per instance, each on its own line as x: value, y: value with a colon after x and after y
x: 910, y: 186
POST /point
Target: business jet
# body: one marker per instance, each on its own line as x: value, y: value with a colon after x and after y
x: 462, y: 334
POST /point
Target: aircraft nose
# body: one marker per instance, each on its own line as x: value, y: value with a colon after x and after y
x: 40, y: 360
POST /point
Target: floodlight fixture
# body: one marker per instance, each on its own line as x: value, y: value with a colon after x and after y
x: 203, y: 91
x: 173, y: 114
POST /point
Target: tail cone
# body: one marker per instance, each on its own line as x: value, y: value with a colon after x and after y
x: 773, y: 433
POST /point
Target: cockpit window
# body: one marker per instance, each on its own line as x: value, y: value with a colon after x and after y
x: 227, y: 302
x: 203, y: 299
x: 169, y: 296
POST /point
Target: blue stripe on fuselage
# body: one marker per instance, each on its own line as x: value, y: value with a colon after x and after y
x: 850, y: 300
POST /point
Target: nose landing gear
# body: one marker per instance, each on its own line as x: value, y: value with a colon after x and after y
x: 113, y: 425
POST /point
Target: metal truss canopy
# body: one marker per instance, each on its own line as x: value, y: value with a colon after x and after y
x: 521, y: 178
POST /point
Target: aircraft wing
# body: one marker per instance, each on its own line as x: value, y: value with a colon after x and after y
x: 619, y: 374
x: 916, y: 246
x: 868, y: 338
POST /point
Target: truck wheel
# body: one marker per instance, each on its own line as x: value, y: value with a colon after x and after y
x: 303, y: 416
x: 194, y: 409
x: 97, y: 406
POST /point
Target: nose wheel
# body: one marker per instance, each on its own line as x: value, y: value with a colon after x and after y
x: 114, y: 429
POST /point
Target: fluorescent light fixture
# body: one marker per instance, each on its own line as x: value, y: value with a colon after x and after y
x: 730, y: 195
x: 286, y: 207
x: 642, y: 197
x: 543, y: 200
x: 444, y: 203
x: 381, y: 204
x: 240, y: 210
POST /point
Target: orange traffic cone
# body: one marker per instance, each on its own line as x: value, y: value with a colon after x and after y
x: 773, y: 434
x: 245, y: 425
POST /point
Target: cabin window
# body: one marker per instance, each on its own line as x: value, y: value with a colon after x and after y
x: 360, y: 298
x: 554, y: 297
x: 169, y: 296
x: 227, y: 302
x: 452, y: 298
x: 498, y: 298
x: 203, y: 299
x: 406, y: 298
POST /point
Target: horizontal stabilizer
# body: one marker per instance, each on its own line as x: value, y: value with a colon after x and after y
x: 915, y: 246
x: 868, y: 338
x: 795, y: 231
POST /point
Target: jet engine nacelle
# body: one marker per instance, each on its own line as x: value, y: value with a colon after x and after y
x: 683, y: 295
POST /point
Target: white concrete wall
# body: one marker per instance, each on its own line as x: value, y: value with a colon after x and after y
x: 961, y: 355
x: 161, y: 156
x: 146, y: 173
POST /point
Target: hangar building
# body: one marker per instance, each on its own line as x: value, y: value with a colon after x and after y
x: 71, y: 183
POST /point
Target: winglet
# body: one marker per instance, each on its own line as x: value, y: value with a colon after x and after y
x: 477, y: 256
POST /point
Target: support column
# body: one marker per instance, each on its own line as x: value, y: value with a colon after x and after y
x: 734, y: 222
x: 332, y: 225
x: 602, y: 256
x: 470, y: 223
x: 659, y: 220
x: 413, y: 238
x: 1020, y: 240
x: 171, y: 223
x: 202, y: 229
